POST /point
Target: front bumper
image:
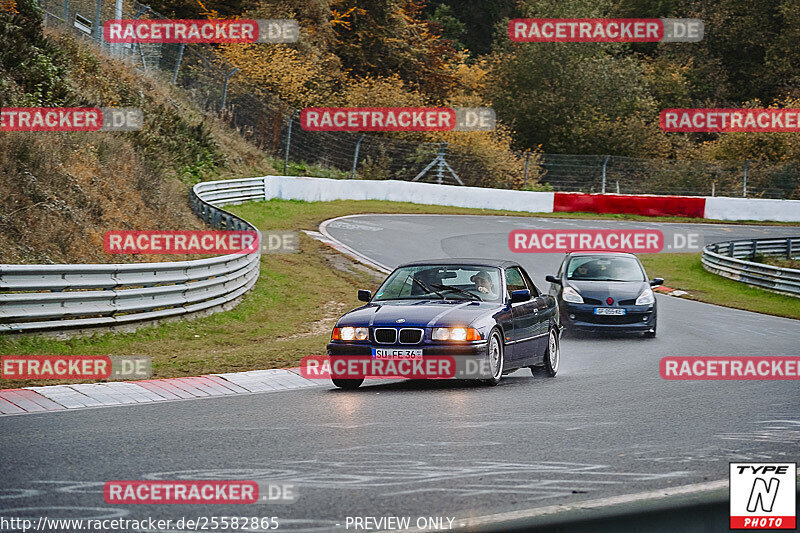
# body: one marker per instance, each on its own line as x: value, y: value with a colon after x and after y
x: 477, y: 348
x: 637, y: 318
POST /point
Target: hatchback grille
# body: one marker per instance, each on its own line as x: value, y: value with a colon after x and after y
x: 410, y: 336
x: 385, y: 335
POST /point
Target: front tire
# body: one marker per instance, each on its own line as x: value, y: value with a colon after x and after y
x: 552, y: 357
x: 495, y: 357
x: 348, y: 384
x: 652, y: 333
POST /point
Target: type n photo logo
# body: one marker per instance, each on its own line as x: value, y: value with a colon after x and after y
x: 763, y: 495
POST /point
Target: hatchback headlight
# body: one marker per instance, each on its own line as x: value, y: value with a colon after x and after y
x: 455, y: 334
x: 350, y: 334
x: 571, y: 295
x: 646, y: 298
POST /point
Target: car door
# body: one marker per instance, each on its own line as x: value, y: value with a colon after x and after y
x: 544, y: 312
x: 523, y: 316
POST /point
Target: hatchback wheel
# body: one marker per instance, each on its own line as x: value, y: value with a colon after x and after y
x: 347, y: 383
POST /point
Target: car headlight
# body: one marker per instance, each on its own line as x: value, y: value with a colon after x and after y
x: 571, y: 295
x: 455, y: 334
x: 646, y: 298
x: 350, y: 334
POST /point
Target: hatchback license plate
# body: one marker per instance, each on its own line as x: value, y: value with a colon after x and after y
x: 396, y: 353
x: 609, y: 311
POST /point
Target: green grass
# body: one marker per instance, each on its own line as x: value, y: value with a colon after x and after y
x: 298, y: 297
x: 310, y: 214
x: 685, y: 272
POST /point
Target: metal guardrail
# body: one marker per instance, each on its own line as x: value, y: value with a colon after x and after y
x: 59, y: 297
x: 725, y: 259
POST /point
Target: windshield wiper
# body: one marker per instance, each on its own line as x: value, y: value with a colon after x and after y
x: 426, y: 288
x: 449, y: 288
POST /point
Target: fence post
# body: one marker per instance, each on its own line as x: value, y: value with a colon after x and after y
x: 288, y: 141
x: 225, y: 88
x: 117, y: 47
x: 713, y: 187
x: 617, y: 187
x: 97, y: 26
x: 525, y: 175
x: 178, y: 63
x: 603, y: 188
x: 744, y: 180
x: 355, y: 155
x: 66, y: 14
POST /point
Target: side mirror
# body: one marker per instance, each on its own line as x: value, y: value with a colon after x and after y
x: 520, y: 296
x: 656, y: 281
x: 364, y: 295
x: 553, y: 279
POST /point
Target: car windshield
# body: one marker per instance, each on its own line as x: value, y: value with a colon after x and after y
x: 451, y: 282
x: 598, y: 268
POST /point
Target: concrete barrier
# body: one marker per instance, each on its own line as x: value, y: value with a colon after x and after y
x: 718, y: 208
x: 721, y: 208
x: 324, y: 190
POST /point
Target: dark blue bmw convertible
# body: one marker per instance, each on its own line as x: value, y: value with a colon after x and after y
x: 485, y: 310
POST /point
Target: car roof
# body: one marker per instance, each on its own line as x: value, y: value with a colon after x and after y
x: 499, y: 263
x: 589, y: 252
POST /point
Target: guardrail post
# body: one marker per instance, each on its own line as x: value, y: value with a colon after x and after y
x: 789, y: 248
x: 731, y: 249
x: 755, y: 249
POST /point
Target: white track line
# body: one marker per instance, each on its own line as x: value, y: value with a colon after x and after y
x: 499, y: 518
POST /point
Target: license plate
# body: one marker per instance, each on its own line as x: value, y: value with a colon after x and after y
x: 396, y: 353
x: 609, y: 311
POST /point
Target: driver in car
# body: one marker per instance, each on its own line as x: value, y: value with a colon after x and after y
x: 483, y: 283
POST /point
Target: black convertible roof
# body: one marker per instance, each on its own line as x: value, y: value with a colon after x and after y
x: 499, y: 263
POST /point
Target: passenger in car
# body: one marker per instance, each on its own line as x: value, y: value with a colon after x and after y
x: 483, y: 283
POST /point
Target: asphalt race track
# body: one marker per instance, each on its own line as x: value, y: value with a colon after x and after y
x: 606, y: 426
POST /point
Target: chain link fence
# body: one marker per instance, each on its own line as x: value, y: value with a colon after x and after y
x: 272, y: 125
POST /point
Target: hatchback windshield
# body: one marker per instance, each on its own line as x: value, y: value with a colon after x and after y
x: 603, y: 268
x: 451, y: 282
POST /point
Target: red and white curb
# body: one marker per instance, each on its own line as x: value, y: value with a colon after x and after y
x: 84, y: 395
x: 670, y: 291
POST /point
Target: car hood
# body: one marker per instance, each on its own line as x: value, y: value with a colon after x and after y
x: 619, y: 290
x: 418, y: 313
